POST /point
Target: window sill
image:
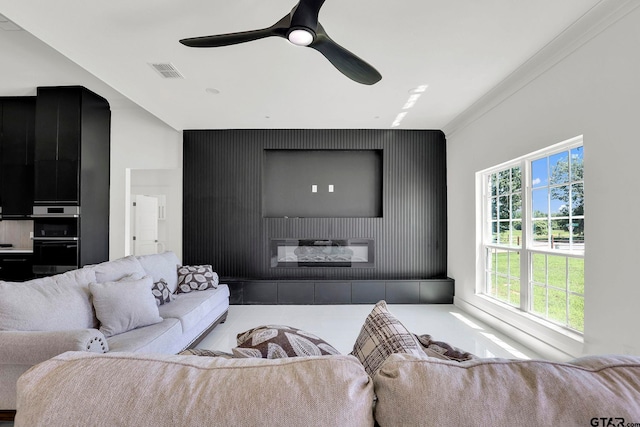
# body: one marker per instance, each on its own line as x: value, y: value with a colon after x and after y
x: 545, y: 338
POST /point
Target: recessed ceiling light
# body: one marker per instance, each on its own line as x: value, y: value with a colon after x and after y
x: 418, y: 89
x: 212, y: 91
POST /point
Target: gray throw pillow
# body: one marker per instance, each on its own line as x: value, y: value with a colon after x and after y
x: 124, y: 305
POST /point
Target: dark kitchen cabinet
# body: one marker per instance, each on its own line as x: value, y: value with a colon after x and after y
x: 71, y: 166
x: 16, y: 267
x: 17, y: 130
x: 73, y: 124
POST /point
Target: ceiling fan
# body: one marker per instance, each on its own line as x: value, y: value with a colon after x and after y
x: 300, y: 27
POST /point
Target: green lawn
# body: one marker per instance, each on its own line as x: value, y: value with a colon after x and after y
x: 555, y: 279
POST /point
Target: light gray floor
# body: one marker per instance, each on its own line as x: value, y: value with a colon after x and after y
x: 340, y: 325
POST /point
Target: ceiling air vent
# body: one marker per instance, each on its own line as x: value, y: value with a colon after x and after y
x: 167, y: 70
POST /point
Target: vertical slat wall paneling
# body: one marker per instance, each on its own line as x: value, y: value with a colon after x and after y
x: 224, y: 224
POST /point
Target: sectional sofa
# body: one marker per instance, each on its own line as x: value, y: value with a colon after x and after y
x: 282, y: 376
x: 104, y: 308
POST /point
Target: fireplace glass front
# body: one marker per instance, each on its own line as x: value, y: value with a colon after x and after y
x: 293, y: 253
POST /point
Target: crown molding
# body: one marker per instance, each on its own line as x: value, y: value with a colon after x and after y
x: 597, y: 19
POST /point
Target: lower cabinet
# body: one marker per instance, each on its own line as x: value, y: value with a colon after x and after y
x: 16, y: 267
x: 270, y: 292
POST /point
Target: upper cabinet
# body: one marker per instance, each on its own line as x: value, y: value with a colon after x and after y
x: 17, y: 128
x: 72, y: 145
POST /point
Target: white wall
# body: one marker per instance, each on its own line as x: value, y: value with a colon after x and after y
x: 595, y: 92
x: 141, y: 141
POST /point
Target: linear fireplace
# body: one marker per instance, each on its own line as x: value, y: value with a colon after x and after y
x: 294, y: 253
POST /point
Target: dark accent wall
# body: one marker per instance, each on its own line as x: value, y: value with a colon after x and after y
x: 222, y: 209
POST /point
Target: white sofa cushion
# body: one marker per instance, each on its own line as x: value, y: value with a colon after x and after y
x: 157, y: 338
x: 55, y: 303
x: 124, y: 305
x: 190, y: 308
x: 111, y: 271
x: 162, y: 266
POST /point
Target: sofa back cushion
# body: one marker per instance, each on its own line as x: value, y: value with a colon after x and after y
x: 120, y: 389
x: 54, y: 303
x: 498, y: 392
x: 112, y: 271
x: 162, y: 266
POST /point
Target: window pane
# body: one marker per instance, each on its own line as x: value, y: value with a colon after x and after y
x: 539, y: 173
x: 503, y: 289
x: 494, y: 208
x: 503, y: 182
x: 559, y: 164
x: 514, y: 264
x: 539, y: 273
x: 557, y: 271
x: 576, y: 312
x: 516, y: 206
x: 516, y: 233
x: 493, y: 182
x: 577, y: 163
x: 540, y: 233
x: 540, y: 199
x: 505, y: 238
x: 557, y: 305
x: 503, y: 206
x: 494, y: 232
x: 578, y: 233
x: 560, y: 201
x: 576, y: 275
x: 560, y: 234
x: 514, y: 295
x: 516, y: 179
x: 539, y: 300
x: 577, y: 199
x: 502, y: 261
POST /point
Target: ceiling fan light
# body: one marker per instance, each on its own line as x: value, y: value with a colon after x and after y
x: 300, y: 37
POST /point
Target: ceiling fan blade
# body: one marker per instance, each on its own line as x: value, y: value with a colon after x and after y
x: 305, y: 14
x: 346, y: 62
x: 278, y: 29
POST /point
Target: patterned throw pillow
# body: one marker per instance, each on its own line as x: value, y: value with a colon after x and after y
x: 161, y: 293
x: 381, y: 336
x: 277, y: 342
x: 196, y: 278
x: 442, y: 350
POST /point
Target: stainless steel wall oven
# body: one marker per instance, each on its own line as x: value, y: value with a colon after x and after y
x: 55, y: 239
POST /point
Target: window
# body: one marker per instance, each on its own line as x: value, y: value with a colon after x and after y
x: 533, y: 234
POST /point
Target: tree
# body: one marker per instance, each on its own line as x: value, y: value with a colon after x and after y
x: 569, y: 173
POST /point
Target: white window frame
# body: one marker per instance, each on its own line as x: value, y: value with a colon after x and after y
x: 526, y: 248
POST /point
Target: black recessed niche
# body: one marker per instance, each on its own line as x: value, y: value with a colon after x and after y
x: 322, y: 183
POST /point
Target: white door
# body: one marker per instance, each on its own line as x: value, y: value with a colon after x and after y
x: 145, y: 223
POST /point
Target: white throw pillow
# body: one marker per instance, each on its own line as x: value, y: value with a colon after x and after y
x: 124, y: 305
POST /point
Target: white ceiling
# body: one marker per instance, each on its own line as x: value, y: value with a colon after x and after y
x: 461, y: 49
